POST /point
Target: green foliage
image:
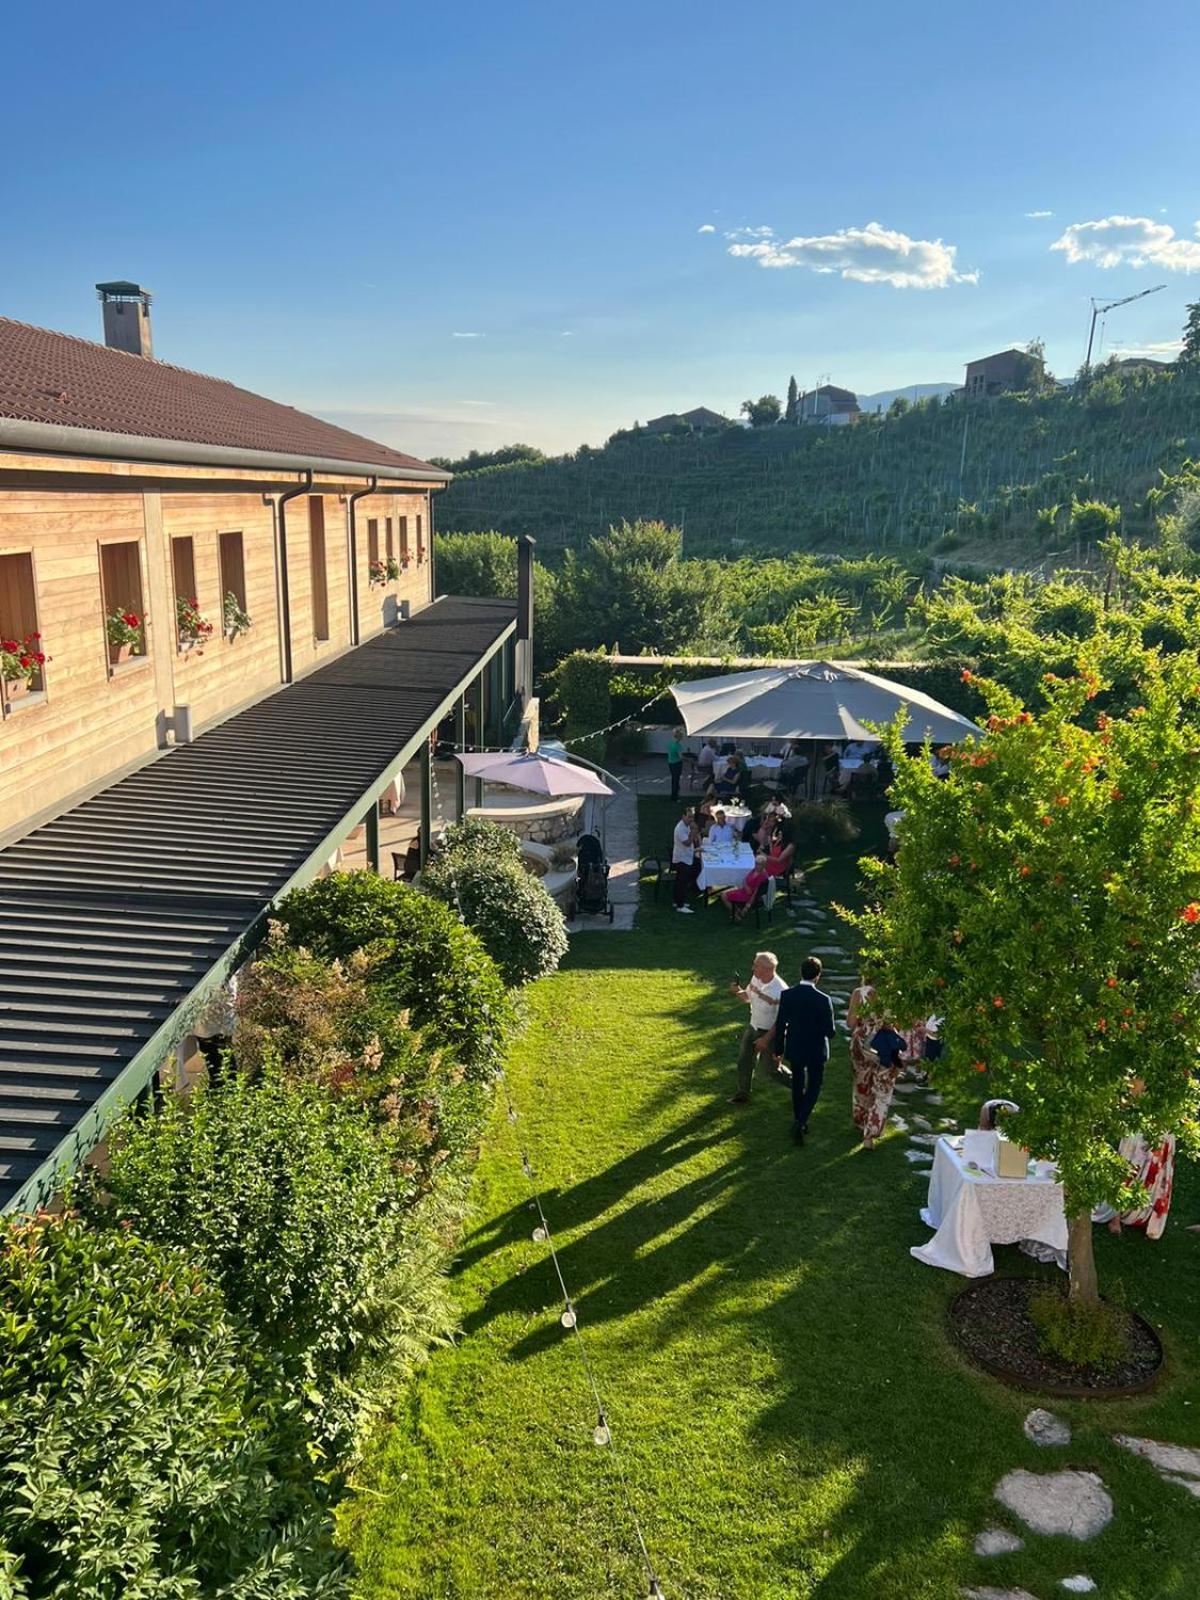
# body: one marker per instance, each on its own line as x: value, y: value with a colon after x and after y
x: 1191, y: 335
x: 763, y: 412
x: 791, y: 411
x: 485, y: 564
x: 1045, y: 900
x: 580, y: 687
x: 1087, y: 1334
x: 331, y: 1023
x: 1092, y: 521
x: 286, y: 1196
x: 479, y: 460
x: 478, y: 836
x: 817, y: 824
x: 518, y: 922
x: 889, y: 482
x: 424, y: 961
x: 136, y: 1460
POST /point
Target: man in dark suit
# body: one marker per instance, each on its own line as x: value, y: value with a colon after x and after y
x: 803, y: 1029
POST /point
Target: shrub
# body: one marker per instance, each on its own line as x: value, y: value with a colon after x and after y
x: 134, y: 1459
x: 511, y: 911
x: 1083, y: 1333
x: 478, y: 836
x: 423, y: 959
x: 325, y: 1021
x: 818, y: 823
x: 291, y: 1202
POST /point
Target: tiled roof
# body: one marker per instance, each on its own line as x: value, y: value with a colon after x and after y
x: 56, y: 378
x: 112, y: 914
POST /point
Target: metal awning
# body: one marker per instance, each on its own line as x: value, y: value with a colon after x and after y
x: 118, y: 917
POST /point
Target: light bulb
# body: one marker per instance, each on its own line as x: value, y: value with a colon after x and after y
x: 539, y: 1235
x: 600, y: 1433
x: 568, y: 1317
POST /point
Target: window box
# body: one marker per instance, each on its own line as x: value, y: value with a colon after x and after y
x: 15, y: 688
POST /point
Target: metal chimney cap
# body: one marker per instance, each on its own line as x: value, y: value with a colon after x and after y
x: 123, y: 290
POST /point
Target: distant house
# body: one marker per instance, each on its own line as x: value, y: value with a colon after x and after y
x: 828, y: 405
x: 700, y: 420
x: 1002, y: 373
x: 1142, y: 364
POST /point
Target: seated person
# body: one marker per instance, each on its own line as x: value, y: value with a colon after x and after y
x: 722, y: 831
x: 861, y: 749
x: 781, y: 852
x: 773, y: 813
x: 795, y: 760
x: 731, y: 778
x: 939, y: 762
x: 704, y: 761
x: 740, y: 900
x: 720, y: 762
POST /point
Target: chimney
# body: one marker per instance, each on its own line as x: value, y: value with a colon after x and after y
x: 126, y: 317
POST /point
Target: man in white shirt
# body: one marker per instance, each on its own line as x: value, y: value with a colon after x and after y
x: 685, y: 859
x: 761, y: 994
x: 704, y: 761
x: 721, y: 832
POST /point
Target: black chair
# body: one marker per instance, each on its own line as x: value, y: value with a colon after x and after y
x: 764, y: 900
x: 406, y: 866
x: 652, y: 868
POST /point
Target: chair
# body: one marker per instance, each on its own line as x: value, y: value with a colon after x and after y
x: 406, y: 865
x: 651, y: 867
x: 764, y: 900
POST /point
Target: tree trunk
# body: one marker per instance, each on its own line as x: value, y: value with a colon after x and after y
x: 1081, y: 1260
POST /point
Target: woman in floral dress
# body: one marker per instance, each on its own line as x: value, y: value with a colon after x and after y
x: 874, y: 1080
x: 1154, y: 1168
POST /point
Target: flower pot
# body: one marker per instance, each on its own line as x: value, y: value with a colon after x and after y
x: 14, y: 688
x: 118, y: 653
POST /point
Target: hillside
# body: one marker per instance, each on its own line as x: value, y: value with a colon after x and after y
x: 980, y: 470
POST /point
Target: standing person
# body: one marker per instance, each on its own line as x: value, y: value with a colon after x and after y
x: 685, y: 859
x: 675, y: 760
x: 874, y: 1080
x: 761, y: 994
x: 803, y: 1029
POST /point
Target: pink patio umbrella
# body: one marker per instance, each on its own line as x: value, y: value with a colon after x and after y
x: 540, y: 774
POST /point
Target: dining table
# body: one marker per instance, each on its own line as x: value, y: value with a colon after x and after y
x: 970, y: 1210
x: 724, y: 866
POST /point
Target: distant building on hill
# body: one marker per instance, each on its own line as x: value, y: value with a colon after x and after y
x: 1142, y: 364
x: 700, y: 420
x: 1003, y: 373
x: 829, y: 405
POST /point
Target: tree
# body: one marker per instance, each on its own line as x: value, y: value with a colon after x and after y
x: 791, y: 412
x: 1044, y: 900
x: 1191, y: 335
x: 763, y: 412
x: 1093, y: 520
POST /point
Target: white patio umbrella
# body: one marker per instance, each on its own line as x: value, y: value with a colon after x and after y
x: 541, y: 774
x: 812, y: 700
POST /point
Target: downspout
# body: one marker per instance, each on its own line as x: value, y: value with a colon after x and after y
x: 285, y: 598
x: 433, y: 594
x: 355, y: 632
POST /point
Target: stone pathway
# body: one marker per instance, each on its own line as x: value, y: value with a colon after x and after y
x: 1174, y: 1463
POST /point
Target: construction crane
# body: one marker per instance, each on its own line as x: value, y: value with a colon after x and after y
x: 1102, y: 310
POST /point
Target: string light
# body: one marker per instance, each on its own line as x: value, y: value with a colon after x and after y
x: 602, y: 1433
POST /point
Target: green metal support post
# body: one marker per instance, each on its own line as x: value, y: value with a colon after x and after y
x: 460, y: 739
x: 426, y: 801
x: 480, y: 741
x: 371, y: 822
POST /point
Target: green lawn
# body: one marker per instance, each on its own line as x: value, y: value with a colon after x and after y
x: 792, y: 1420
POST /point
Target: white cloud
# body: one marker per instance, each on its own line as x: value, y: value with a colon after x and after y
x: 1162, y: 350
x: 1129, y: 242
x: 864, y: 255
x: 567, y: 333
x: 1036, y: 214
x: 468, y: 335
x: 706, y: 227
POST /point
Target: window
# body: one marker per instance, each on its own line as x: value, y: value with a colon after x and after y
x: 316, y: 559
x: 121, y: 593
x: 372, y: 543
x: 388, y: 545
x: 403, y: 541
x: 183, y: 571
x: 18, y: 615
x: 235, y: 612
x: 420, y: 542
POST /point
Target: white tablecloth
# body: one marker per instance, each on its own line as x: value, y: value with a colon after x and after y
x: 972, y: 1211
x: 767, y: 763
x: 725, y: 866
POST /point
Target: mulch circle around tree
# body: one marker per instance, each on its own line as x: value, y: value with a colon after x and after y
x: 990, y: 1323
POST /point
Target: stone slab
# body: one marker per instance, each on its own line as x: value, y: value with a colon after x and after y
x: 1078, y: 1583
x: 1073, y: 1504
x: 1176, y: 1458
x: 997, y: 1542
x: 917, y: 1155
x: 989, y: 1592
x: 1044, y: 1428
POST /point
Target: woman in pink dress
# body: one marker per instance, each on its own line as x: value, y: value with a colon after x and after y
x: 739, y: 900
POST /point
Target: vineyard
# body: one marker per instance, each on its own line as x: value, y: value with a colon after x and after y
x: 941, y: 473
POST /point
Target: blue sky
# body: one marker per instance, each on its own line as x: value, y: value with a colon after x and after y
x: 324, y: 199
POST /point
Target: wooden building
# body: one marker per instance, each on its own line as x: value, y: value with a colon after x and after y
x: 243, y: 649
x: 1005, y: 372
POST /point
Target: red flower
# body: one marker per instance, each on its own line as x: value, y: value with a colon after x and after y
x: 998, y: 1002
x: 979, y: 1066
x: 1024, y: 872
x: 1191, y: 913
x: 1116, y: 794
x: 1102, y: 722
x: 1102, y: 1024
x: 1062, y: 800
x: 967, y: 675
x: 1046, y: 821
x: 955, y: 859
x: 1111, y: 982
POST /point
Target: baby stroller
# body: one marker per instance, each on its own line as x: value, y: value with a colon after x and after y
x: 591, y: 879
